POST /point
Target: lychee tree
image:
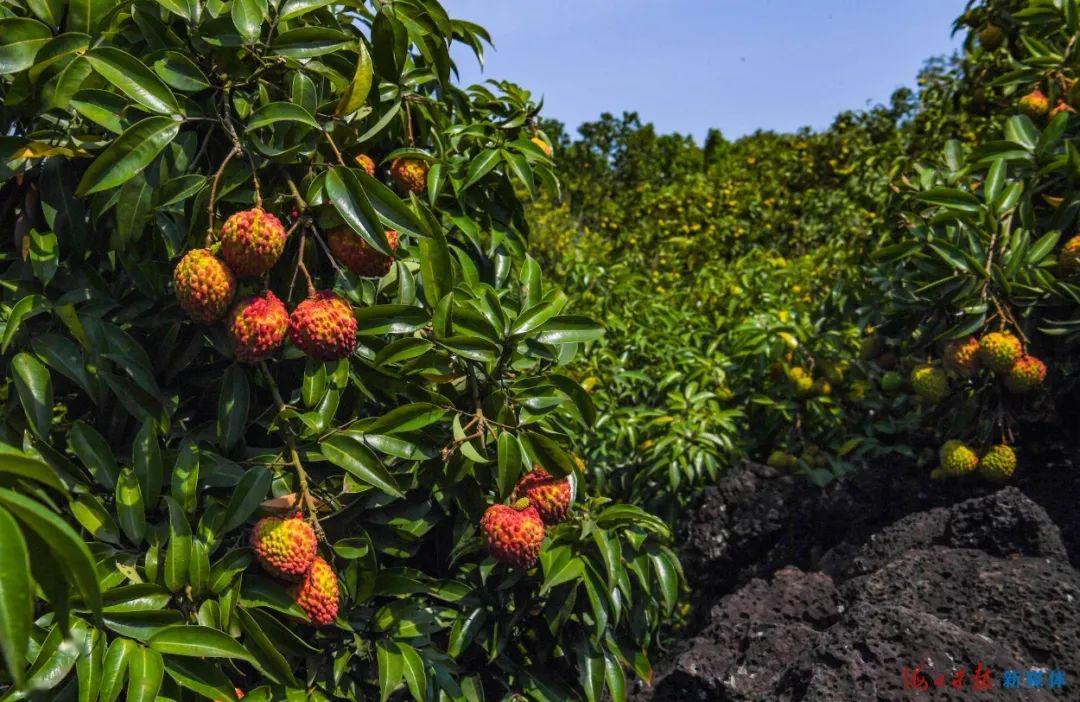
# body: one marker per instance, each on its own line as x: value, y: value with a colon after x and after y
x: 269, y: 266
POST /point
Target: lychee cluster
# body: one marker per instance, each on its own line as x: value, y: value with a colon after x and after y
x: 323, y: 326
x: 252, y: 241
x: 1000, y: 352
x: 957, y: 459
x: 257, y: 326
x: 514, y: 533
x: 359, y: 256
x: 409, y: 175
x: 288, y: 550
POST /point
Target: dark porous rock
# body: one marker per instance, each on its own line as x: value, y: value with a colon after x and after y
x: 833, y: 595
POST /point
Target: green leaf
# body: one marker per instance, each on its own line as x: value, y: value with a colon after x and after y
x: 16, y: 597
x: 86, y: 15
x: 296, y: 8
x: 591, y: 671
x: 415, y: 671
x: 356, y: 94
x: 146, y: 462
x: 568, y: 330
x: 280, y: 112
x: 349, y: 452
x: 411, y: 417
x: 344, y: 190
x: 20, y: 41
x: 129, y: 506
x: 547, y: 453
x: 248, y: 16
x: 184, y: 481
x: 34, y: 387
x: 390, y: 667
x: 28, y: 306
x: 128, y: 155
x: 146, y: 670
x: 481, y: 166
x: 178, y: 556
x: 308, y: 42
x: 200, y: 677
x: 233, y: 404
x: 72, y: 554
x: 179, y: 72
x: 509, y: 464
x: 390, y: 319
x: 115, y: 668
x: 616, y: 678
x: 94, y: 452
x: 134, y: 79
x: 197, y: 642
x: 436, y: 269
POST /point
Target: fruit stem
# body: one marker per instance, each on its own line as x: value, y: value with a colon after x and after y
x: 306, y: 498
x: 299, y: 258
x: 213, y: 195
x: 330, y: 140
x: 302, y: 267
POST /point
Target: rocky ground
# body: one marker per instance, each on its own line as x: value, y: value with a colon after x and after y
x: 828, y: 596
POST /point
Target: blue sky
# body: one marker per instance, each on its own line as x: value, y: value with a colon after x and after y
x: 688, y: 65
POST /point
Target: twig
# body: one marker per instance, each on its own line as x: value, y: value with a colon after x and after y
x: 213, y: 194
x: 299, y: 259
x: 306, y: 499
x: 330, y: 140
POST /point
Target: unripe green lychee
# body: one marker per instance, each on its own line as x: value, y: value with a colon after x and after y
x: 323, y: 327
x: 317, y: 593
x: 1026, y: 374
x: 514, y: 533
x: 892, y: 382
x: 365, y: 162
x: 549, y: 495
x: 961, y: 357
x: 257, y: 326
x: 998, y: 351
x: 252, y: 241
x: 957, y: 459
x: 358, y: 256
x: 998, y: 463
x: 285, y: 548
x: 409, y: 175
x: 991, y: 37
x: 781, y: 460
x: 1035, y: 104
x: 930, y: 383
x: 204, y: 286
x: 1069, y: 258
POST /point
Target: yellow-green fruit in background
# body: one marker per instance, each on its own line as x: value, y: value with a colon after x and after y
x: 998, y: 351
x: 962, y: 357
x: 782, y: 461
x: 544, y: 146
x: 1027, y: 374
x: 821, y: 387
x: 930, y: 383
x: 1035, y: 104
x: 409, y: 175
x: 991, y: 37
x: 204, y: 286
x: 957, y: 458
x: 801, y: 381
x: 1069, y: 258
x: 998, y: 464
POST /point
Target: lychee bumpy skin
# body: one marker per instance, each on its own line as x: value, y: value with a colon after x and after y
x: 285, y: 548
x: 549, y: 495
x: 252, y: 242
x: 317, y: 593
x: 204, y: 286
x: 957, y: 459
x: 358, y: 256
x: 514, y: 533
x: 257, y: 325
x: 409, y: 175
x: 323, y: 326
x: 999, y: 350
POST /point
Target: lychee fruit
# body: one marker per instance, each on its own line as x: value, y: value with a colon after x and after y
x: 365, y: 162
x: 991, y: 37
x: 930, y: 383
x: 252, y: 241
x: 961, y: 357
x: 1027, y: 374
x: 285, y: 548
x: 1069, y: 258
x: 957, y: 458
x: 544, y: 146
x: 892, y: 382
x: 998, y: 463
x: 257, y: 325
x: 323, y: 326
x: 514, y: 533
x: 204, y: 285
x: 1035, y: 104
x: 358, y: 256
x: 782, y: 461
x: 409, y: 174
x: 317, y: 593
x: 1059, y: 108
x: 998, y: 351
x: 801, y: 381
x: 549, y: 495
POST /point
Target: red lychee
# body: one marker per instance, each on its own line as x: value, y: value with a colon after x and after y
x: 252, y: 241
x: 365, y: 162
x: 514, y: 533
x: 317, y: 593
x: 549, y: 495
x: 285, y: 548
x: 409, y: 175
x: 1026, y: 374
x: 257, y: 325
x: 204, y: 285
x: 358, y: 256
x: 323, y: 326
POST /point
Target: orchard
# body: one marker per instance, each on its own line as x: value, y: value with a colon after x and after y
x: 327, y: 377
